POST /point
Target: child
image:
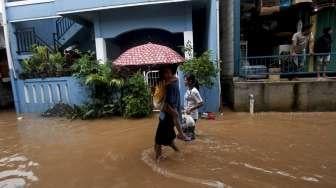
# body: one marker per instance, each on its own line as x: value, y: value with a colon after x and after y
x: 192, y: 101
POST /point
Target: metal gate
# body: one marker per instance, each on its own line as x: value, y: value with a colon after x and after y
x: 152, y: 78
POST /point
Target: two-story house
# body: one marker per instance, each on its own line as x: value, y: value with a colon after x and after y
x: 108, y: 27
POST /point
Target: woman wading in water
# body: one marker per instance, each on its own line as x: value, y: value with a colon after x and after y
x: 192, y: 102
x: 170, y: 114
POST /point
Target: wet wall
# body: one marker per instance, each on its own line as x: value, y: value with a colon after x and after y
x: 286, y: 96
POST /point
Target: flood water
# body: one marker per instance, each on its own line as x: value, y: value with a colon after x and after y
x: 237, y: 150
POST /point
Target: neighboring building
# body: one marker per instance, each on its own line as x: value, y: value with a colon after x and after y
x: 256, y: 38
x: 5, y: 87
x: 108, y: 28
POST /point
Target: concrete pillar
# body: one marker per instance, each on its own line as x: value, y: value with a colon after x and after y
x: 101, y: 50
x: 188, y: 44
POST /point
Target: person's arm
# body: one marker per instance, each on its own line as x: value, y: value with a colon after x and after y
x: 173, y: 112
x: 294, y: 42
x: 170, y: 110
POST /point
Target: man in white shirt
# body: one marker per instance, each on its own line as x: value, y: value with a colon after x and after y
x: 301, y: 41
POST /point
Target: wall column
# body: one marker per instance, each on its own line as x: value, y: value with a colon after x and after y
x: 101, y: 50
x: 188, y: 54
x: 100, y: 41
x: 188, y: 44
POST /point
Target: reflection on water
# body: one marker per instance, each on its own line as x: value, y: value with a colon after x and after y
x: 239, y: 150
x: 21, y: 173
x: 16, y: 170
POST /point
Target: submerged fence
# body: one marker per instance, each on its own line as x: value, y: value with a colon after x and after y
x: 260, y: 66
x: 38, y: 95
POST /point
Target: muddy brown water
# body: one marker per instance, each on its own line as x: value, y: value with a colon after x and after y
x: 237, y: 150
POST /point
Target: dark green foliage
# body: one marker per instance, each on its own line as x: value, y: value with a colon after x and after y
x: 111, y: 94
x: 136, y: 98
x: 203, y: 68
x: 94, y: 110
x: 105, y: 85
x: 85, y: 65
x: 44, y: 64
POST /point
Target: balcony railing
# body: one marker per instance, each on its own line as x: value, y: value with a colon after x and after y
x: 62, y: 26
x: 259, y: 66
x: 26, y: 38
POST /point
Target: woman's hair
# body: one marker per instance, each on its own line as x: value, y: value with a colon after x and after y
x: 192, y: 80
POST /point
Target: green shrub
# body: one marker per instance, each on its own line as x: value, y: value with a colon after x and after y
x: 85, y: 66
x: 43, y: 64
x: 110, y: 93
x: 136, y: 100
x: 94, y: 111
x: 203, y: 68
x: 105, y: 86
x: 57, y: 62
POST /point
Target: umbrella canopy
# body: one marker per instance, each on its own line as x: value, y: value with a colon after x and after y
x: 149, y: 54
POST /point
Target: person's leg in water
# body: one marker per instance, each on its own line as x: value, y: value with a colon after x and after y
x: 325, y: 64
x: 193, y: 130
x: 158, y: 151
x: 325, y: 70
x: 175, y: 148
x: 318, y: 67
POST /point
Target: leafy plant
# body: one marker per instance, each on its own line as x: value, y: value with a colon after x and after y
x: 57, y: 61
x: 42, y: 64
x: 203, y: 68
x: 104, y: 76
x: 85, y: 65
x: 28, y: 69
x: 110, y: 93
x: 136, y: 97
x: 105, y: 85
x: 94, y: 110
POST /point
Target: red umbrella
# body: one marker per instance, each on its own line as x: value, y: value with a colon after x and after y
x: 149, y: 54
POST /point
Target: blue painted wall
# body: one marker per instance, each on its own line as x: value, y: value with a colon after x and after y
x: 212, y: 96
x: 39, y: 95
x: 75, y: 5
x: 49, y: 9
x: 31, y: 11
x: 171, y: 17
x: 43, y: 28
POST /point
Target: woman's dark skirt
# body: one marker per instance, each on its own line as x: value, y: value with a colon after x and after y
x: 165, y: 133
